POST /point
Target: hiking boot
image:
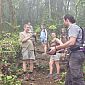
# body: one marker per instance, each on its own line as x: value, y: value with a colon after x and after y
x: 31, y: 76
x: 30, y: 72
x: 49, y: 76
x: 32, y: 79
x: 57, y: 78
x: 26, y: 77
x: 55, y: 74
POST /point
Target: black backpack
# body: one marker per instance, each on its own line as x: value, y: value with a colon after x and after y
x: 83, y: 40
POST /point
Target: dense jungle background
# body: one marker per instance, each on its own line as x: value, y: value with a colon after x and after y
x: 13, y: 15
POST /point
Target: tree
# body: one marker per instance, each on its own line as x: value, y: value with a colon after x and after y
x: 12, y: 14
x: 1, y: 16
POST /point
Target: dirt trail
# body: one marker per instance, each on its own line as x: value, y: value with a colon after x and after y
x: 41, y: 70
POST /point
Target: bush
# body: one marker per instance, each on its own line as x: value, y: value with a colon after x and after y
x: 53, y: 27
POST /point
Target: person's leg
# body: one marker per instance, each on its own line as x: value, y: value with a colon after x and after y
x: 24, y: 66
x: 31, y: 65
x: 44, y: 44
x: 31, y: 69
x: 25, y: 57
x: 51, y: 66
x: 28, y: 63
x: 32, y: 58
x: 68, y: 80
x: 75, y: 75
x: 57, y: 76
x: 57, y: 66
x: 51, y: 69
x: 45, y: 48
x: 57, y: 63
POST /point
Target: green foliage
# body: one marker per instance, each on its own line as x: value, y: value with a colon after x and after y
x: 10, y: 80
x: 84, y: 67
x: 10, y: 27
x: 52, y: 27
x: 10, y: 50
x: 37, y: 29
x: 9, y: 42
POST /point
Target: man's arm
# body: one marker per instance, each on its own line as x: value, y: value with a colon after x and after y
x: 23, y: 39
x: 59, y: 41
x: 69, y: 43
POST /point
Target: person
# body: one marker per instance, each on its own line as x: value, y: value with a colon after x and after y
x: 43, y: 38
x: 74, y: 72
x: 31, y: 27
x: 32, y: 32
x: 27, y: 48
x: 33, y: 38
x: 54, y: 59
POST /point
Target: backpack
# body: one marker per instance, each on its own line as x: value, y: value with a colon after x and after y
x: 83, y: 40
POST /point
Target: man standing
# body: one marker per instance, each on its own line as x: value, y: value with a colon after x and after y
x: 74, y: 74
x: 27, y: 48
x: 31, y: 27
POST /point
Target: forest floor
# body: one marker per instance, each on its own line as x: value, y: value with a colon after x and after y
x: 42, y: 70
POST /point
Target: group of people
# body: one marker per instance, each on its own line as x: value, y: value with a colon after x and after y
x: 76, y: 57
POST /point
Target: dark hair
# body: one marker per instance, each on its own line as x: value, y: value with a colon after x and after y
x: 70, y: 18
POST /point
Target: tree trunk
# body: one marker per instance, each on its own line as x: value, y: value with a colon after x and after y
x: 68, y: 3
x: 49, y: 10
x: 13, y: 20
x: 1, y: 20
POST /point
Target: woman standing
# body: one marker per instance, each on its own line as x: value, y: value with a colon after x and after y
x: 43, y: 38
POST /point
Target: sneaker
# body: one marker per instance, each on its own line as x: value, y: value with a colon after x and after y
x: 57, y: 78
x: 49, y: 76
x: 55, y: 74
x: 31, y: 75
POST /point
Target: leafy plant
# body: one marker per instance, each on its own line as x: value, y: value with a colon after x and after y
x: 53, y: 27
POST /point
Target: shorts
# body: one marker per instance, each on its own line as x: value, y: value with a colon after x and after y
x: 28, y: 54
x: 55, y: 57
x: 43, y: 41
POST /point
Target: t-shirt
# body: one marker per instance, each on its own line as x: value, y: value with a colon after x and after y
x: 43, y: 34
x: 75, y: 31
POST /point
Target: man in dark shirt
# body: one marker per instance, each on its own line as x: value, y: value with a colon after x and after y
x: 74, y: 73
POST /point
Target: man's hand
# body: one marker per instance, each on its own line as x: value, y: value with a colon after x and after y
x: 25, y: 39
x: 52, y: 51
x: 28, y: 38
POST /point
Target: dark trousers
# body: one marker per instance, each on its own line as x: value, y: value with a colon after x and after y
x: 74, y: 74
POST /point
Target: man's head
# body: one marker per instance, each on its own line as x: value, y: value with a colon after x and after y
x: 53, y: 35
x: 26, y: 28
x: 29, y: 23
x: 68, y: 19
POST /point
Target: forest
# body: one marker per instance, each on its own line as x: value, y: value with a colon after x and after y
x: 13, y: 15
